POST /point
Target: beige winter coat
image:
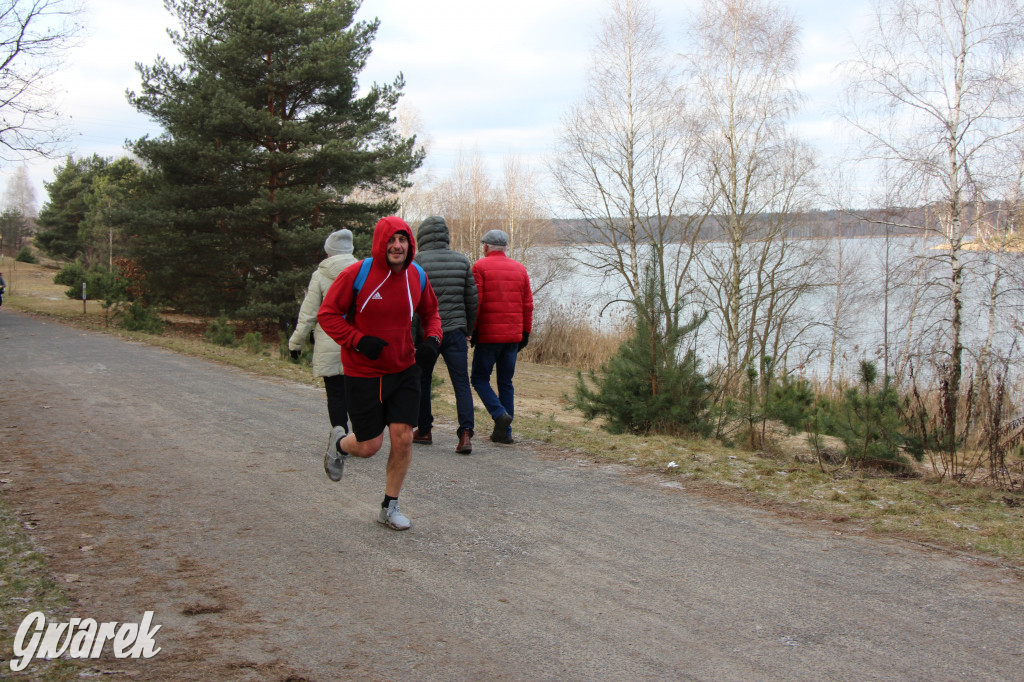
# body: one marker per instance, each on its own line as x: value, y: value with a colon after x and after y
x: 326, y: 353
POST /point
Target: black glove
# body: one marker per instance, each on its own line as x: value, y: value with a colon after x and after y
x: 426, y: 352
x: 295, y: 354
x: 526, y: 340
x: 371, y: 346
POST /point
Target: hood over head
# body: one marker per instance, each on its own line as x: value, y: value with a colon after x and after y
x: 382, y: 233
x: 433, y: 234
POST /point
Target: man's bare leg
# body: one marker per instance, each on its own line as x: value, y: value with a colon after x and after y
x: 399, y: 458
x: 367, y: 448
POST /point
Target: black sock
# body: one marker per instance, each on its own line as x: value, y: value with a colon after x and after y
x: 387, y: 501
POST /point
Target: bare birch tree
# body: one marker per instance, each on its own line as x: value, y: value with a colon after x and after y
x: 19, y: 195
x: 34, y: 38
x: 525, y: 218
x: 466, y: 198
x: 741, y: 65
x: 624, y: 162
x: 520, y: 208
x: 936, y: 89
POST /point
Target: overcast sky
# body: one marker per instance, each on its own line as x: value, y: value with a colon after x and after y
x: 494, y: 77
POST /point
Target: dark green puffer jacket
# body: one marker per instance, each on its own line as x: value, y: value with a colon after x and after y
x: 450, y: 274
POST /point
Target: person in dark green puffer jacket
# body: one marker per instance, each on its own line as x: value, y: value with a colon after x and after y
x: 451, y: 276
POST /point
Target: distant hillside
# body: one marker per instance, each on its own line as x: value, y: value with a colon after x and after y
x: 809, y: 225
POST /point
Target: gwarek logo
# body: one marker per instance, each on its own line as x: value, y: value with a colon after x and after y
x: 82, y: 638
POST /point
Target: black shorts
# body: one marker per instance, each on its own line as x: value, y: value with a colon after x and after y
x: 375, y: 402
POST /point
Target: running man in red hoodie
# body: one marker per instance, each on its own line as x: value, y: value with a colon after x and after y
x: 382, y: 378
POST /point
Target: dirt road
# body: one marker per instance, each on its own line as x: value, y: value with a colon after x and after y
x: 165, y: 483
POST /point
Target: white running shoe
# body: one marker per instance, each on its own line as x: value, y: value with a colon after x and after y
x: 392, y: 517
x: 334, y: 460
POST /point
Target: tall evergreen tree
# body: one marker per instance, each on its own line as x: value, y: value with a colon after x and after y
x: 13, y: 230
x: 60, y: 219
x: 265, y: 137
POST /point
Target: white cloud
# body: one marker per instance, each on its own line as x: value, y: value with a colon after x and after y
x: 494, y: 75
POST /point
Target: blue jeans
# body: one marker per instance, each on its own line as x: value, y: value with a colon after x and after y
x: 500, y: 357
x: 455, y: 352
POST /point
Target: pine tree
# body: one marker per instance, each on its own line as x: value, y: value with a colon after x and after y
x: 868, y: 421
x: 265, y: 135
x: 651, y: 384
x: 61, y: 217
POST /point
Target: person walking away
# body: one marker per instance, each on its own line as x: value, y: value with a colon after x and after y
x: 3, y: 288
x: 451, y: 275
x: 370, y: 319
x: 326, y: 353
x: 503, y: 325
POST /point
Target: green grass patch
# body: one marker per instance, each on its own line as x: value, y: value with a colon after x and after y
x: 26, y: 585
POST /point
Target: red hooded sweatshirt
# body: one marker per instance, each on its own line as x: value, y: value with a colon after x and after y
x: 384, y: 308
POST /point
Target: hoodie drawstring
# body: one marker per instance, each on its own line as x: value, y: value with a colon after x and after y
x: 408, y: 291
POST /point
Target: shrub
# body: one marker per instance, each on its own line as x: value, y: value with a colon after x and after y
x: 868, y: 421
x: 140, y: 318
x: 26, y: 256
x: 253, y: 342
x: 100, y: 282
x: 650, y: 384
x: 791, y: 401
x: 221, y: 332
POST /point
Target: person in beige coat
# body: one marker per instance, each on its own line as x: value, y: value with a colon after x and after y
x: 326, y: 353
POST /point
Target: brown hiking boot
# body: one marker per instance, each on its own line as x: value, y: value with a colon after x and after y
x: 464, y: 447
x: 422, y: 437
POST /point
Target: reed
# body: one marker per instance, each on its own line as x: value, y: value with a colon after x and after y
x: 566, y: 336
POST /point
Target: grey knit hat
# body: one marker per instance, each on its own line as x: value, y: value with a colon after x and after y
x: 338, y: 243
x: 495, y: 238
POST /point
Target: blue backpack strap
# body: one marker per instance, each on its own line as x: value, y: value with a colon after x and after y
x: 423, y: 275
x: 364, y: 270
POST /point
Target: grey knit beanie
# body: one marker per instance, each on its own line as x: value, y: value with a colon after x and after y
x: 338, y: 243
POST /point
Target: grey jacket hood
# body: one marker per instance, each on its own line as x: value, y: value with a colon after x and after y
x: 432, y: 234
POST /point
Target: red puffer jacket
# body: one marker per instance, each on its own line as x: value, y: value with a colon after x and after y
x: 505, y: 309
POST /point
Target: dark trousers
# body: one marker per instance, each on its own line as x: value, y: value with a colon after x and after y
x: 500, y: 358
x: 455, y: 352
x: 337, y: 406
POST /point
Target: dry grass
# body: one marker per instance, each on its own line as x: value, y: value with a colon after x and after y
x: 787, y: 477
x: 567, y: 337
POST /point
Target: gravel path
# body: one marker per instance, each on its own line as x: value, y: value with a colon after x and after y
x: 166, y: 483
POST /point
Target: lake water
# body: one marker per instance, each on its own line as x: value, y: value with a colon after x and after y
x: 915, y: 291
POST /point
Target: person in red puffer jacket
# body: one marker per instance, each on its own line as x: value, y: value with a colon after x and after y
x: 503, y: 323
x: 382, y: 377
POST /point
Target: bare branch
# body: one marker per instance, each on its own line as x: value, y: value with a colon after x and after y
x: 34, y: 37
